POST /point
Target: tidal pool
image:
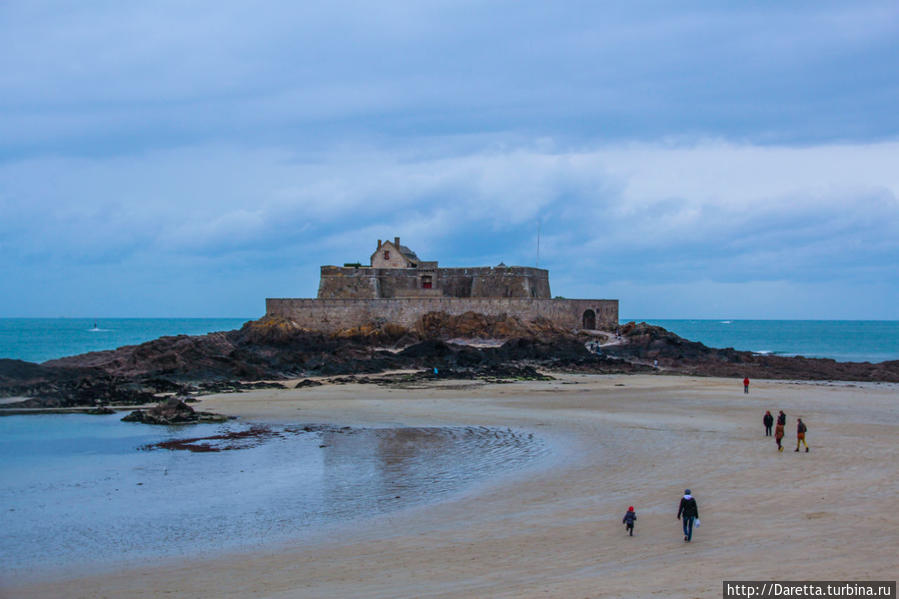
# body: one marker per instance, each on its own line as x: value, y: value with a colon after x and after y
x: 79, y: 490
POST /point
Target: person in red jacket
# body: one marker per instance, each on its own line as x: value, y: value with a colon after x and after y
x: 746, y: 385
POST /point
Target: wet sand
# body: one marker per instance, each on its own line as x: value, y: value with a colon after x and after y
x: 555, y: 530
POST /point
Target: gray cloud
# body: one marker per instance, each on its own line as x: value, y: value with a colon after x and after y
x: 230, y: 149
x: 739, y: 217
x: 120, y: 78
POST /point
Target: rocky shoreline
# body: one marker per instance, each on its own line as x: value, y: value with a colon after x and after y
x: 267, y: 352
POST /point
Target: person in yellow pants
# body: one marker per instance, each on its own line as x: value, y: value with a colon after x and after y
x: 800, y: 434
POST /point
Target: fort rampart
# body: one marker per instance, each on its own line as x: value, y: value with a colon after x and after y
x: 427, y: 280
x: 332, y: 315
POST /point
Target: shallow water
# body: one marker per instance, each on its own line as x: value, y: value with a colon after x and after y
x: 79, y: 489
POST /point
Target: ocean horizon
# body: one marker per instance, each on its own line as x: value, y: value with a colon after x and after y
x: 42, y: 339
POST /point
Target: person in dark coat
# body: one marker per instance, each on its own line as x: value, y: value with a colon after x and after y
x: 746, y: 384
x: 688, y: 511
x: 628, y: 520
x: 779, y: 429
x: 768, y: 421
x: 800, y: 434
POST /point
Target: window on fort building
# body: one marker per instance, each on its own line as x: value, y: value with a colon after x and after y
x: 386, y: 255
x: 426, y: 282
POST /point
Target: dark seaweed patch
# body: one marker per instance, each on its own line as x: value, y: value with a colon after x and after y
x: 245, y: 439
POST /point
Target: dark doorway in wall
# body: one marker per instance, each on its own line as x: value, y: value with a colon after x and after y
x: 426, y: 282
x: 589, y: 319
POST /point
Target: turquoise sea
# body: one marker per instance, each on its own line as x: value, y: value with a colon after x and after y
x: 41, y: 339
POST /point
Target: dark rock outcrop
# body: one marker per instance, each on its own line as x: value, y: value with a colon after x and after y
x: 307, y: 383
x: 647, y: 343
x: 172, y: 411
x: 63, y: 386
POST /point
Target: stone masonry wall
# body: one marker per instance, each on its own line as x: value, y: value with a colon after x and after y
x: 331, y: 315
x: 500, y: 282
x: 477, y: 282
x: 347, y: 283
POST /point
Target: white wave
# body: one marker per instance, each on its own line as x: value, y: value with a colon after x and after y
x: 726, y: 321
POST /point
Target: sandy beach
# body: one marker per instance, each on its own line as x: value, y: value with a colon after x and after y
x: 554, y: 529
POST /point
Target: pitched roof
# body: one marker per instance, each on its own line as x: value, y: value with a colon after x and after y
x: 409, y: 254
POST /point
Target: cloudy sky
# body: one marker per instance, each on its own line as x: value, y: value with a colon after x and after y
x: 692, y: 159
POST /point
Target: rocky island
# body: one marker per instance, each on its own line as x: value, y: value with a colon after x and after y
x: 273, y: 351
x: 402, y: 313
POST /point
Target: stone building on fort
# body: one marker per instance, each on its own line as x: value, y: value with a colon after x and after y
x: 400, y: 288
x: 396, y: 272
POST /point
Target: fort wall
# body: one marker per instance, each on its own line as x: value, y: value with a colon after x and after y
x: 332, y: 315
x: 427, y: 280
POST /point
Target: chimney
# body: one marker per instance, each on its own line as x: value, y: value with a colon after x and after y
x: 396, y: 243
x: 379, y: 244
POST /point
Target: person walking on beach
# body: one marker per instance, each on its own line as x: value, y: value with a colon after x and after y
x: 779, y: 429
x: 746, y: 385
x: 690, y: 512
x: 628, y: 520
x: 800, y: 434
x: 768, y: 421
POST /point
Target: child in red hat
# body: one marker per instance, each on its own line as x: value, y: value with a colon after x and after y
x: 628, y: 520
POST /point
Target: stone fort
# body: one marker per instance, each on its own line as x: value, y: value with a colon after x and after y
x: 397, y: 287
